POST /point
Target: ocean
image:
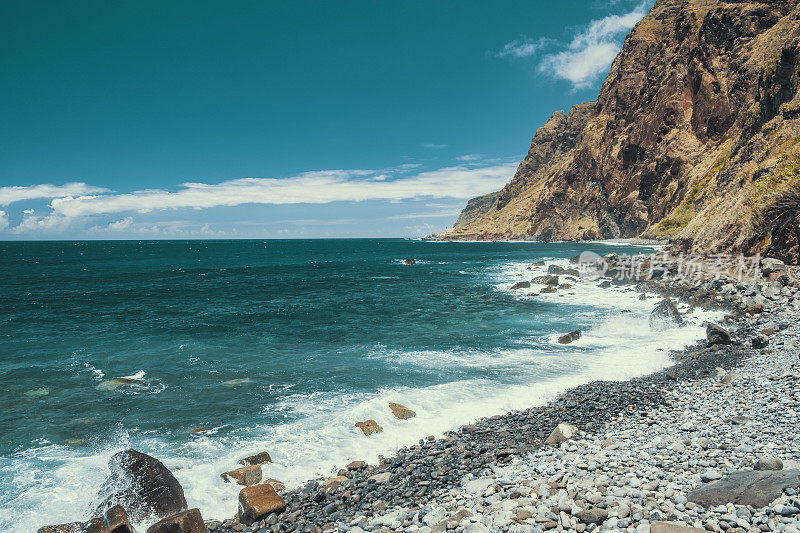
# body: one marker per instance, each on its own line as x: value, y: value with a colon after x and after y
x: 281, y: 346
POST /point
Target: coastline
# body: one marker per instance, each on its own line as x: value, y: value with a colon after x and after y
x: 431, y: 486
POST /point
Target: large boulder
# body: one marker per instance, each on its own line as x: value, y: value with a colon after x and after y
x: 749, y: 487
x: 142, y: 485
x: 401, y: 411
x: 258, y: 502
x: 247, y: 475
x: 665, y: 315
x: 369, y: 427
x: 768, y: 463
x: 190, y: 521
x: 717, y: 334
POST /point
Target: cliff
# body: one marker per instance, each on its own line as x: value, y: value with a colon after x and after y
x: 696, y: 126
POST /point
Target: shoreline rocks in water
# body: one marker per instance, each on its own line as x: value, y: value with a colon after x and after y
x: 401, y: 411
x: 570, y: 337
x: 369, y: 427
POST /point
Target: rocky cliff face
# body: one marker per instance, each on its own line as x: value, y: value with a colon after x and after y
x: 695, y: 127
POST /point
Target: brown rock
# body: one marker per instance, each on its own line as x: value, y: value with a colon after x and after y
x: 116, y: 520
x: 401, y: 411
x: 277, y: 485
x: 548, y: 289
x: 200, y: 430
x: 521, y: 285
x: 356, y: 465
x: 72, y: 527
x: 257, y: 502
x: 561, y: 433
x: 570, y: 337
x: 754, y: 309
x: 369, y: 427
x: 409, y: 261
x: 190, y: 521
x: 95, y: 525
x: 257, y: 459
x: 248, y: 475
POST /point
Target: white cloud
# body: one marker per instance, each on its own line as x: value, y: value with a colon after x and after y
x: 3, y: 220
x: 591, y: 52
x: 469, y: 157
x: 307, y: 188
x: 523, y: 47
x: 33, y: 192
x: 432, y: 145
x: 121, y: 225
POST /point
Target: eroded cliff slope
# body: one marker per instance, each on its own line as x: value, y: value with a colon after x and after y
x: 695, y: 127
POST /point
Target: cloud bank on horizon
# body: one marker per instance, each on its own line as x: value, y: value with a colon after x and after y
x: 79, y: 204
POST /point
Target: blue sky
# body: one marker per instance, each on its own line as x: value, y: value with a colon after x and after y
x: 196, y: 119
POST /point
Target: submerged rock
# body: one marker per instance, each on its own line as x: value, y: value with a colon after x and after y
x: 401, y: 411
x: 190, y: 521
x: 258, y: 502
x: 570, y: 337
x: 142, y: 485
x: 665, y: 315
x: 756, y: 488
x: 369, y: 427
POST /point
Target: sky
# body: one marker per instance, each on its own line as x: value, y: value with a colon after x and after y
x: 140, y: 119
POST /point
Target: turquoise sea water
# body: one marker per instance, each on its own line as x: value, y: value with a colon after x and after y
x: 278, y: 346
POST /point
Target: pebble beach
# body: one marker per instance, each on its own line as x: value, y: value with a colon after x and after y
x: 656, y: 453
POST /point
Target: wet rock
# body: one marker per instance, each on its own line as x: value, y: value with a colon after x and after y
x: 548, y: 289
x: 555, y: 269
x: 248, y: 475
x: 200, y: 430
x: 561, y: 433
x: 717, y: 334
x: 116, y: 520
x: 768, y: 463
x: 756, y: 488
x: 190, y: 521
x: 665, y: 315
x: 400, y: 411
x: 605, y: 284
x: 369, y: 427
x: 356, y: 465
x: 72, y: 527
x: 546, y: 280
x: 257, y: 459
x: 409, y: 261
x: 570, y: 337
x: 142, y: 485
x: 277, y: 485
x: 521, y: 285
x: 257, y: 502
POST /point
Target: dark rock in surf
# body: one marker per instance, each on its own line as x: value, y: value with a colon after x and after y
x: 570, y: 337
x: 665, y: 315
x: 142, y: 485
x: 521, y: 285
x: 546, y: 280
x: 72, y: 527
x: 257, y: 459
x: 409, y: 261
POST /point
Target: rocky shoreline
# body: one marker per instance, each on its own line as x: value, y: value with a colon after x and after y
x: 606, y: 455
